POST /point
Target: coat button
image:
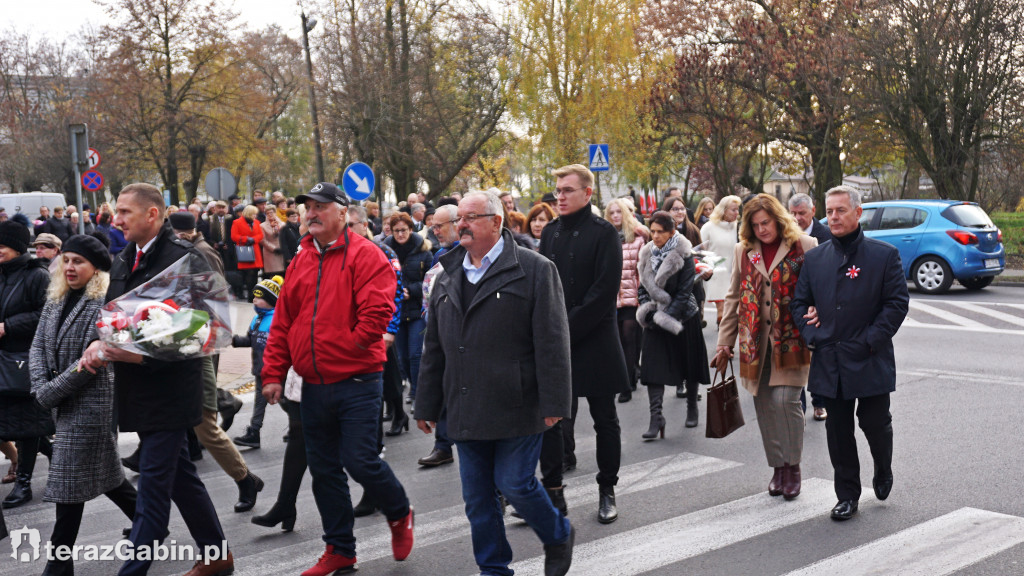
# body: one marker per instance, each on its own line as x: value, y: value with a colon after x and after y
x: 572, y: 256
x: 465, y: 390
x: 556, y: 234
x: 576, y: 233
x: 838, y: 307
x: 462, y: 349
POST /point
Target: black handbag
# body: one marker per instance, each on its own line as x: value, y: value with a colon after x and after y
x: 725, y: 415
x: 245, y: 254
x: 14, y: 376
x: 15, y: 380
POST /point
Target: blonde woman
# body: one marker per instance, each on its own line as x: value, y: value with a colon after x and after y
x: 705, y: 208
x: 632, y: 235
x: 85, y: 462
x: 718, y: 235
x: 774, y: 359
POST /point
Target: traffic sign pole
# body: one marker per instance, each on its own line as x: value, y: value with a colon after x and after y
x: 80, y: 159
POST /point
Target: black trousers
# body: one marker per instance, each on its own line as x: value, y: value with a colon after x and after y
x: 69, y: 520
x: 294, y: 458
x: 876, y: 421
x: 558, y: 446
x: 630, y: 334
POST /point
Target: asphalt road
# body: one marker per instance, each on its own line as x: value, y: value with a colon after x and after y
x: 690, y: 505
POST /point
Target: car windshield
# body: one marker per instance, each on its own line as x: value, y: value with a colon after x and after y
x: 968, y: 215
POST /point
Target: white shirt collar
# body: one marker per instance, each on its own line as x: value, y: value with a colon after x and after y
x: 473, y: 273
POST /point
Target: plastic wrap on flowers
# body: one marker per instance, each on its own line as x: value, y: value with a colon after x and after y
x: 705, y: 260
x: 181, y: 313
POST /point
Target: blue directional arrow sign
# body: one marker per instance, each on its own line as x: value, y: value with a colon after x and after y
x: 359, y: 181
x: 92, y: 180
x: 598, y: 157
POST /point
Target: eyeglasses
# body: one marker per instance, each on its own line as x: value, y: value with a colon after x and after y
x: 473, y: 217
x: 679, y: 209
x: 437, y: 227
x: 564, y: 191
x: 399, y: 230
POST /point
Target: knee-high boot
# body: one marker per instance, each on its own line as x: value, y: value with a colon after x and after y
x: 655, y: 394
x: 691, y: 405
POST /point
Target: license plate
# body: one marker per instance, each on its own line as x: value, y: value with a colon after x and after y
x: 992, y: 263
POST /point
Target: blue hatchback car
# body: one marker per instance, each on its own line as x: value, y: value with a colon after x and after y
x: 939, y: 241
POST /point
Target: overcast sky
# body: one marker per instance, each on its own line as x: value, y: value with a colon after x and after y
x: 54, y: 18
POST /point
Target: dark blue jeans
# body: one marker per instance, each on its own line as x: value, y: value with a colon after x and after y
x: 410, y: 348
x: 489, y: 466
x: 167, y: 474
x: 339, y: 422
x: 441, y: 440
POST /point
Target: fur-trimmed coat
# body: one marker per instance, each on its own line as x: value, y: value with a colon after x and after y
x: 669, y: 292
x: 85, y: 462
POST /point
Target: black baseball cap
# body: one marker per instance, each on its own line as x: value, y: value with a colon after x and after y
x: 324, y: 192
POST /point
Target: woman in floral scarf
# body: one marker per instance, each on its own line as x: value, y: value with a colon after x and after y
x: 774, y: 360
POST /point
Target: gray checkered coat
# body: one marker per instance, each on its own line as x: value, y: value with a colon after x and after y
x: 85, y: 461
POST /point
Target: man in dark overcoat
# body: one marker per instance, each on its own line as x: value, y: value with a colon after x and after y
x: 160, y: 400
x: 588, y: 255
x: 850, y: 300
x: 496, y: 359
x: 801, y: 206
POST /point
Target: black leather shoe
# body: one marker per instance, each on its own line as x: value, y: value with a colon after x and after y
x: 558, y: 558
x: 227, y: 413
x: 844, y: 510
x: 557, y: 496
x: 22, y: 492
x: 606, y: 510
x: 625, y: 397
x: 248, y: 487
x: 398, y: 424
x: 365, y: 506
x: 681, y: 391
x: 692, y: 417
x: 882, y: 484
x: 436, y: 457
x: 126, y: 532
x: 131, y: 462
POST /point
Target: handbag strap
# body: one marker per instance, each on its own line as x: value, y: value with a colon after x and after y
x: 7, y: 299
x: 720, y: 375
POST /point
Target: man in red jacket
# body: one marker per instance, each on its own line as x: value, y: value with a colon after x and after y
x: 330, y: 317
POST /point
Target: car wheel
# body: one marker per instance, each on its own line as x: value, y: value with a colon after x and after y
x: 932, y: 275
x: 977, y: 283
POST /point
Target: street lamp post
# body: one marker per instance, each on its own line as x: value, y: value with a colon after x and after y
x: 307, y: 25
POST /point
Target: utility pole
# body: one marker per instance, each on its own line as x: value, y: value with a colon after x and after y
x: 307, y: 25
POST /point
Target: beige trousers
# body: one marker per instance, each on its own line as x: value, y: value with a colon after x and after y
x: 220, y: 446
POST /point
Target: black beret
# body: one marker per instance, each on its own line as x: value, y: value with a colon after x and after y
x: 90, y: 248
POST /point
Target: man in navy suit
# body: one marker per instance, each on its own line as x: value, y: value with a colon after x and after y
x: 801, y: 206
x: 850, y: 300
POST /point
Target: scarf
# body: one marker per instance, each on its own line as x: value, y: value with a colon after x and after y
x: 658, y: 255
x: 788, y: 348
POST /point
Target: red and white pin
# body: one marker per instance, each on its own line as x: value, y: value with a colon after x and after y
x: 853, y: 272
x: 755, y: 258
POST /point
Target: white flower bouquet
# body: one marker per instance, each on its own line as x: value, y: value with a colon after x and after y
x: 181, y: 313
x: 706, y: 260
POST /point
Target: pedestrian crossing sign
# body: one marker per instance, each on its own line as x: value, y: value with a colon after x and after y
x: 599, y: 157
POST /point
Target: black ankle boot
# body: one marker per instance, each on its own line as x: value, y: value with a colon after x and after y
x: 248, y: 488
x: 365, y: 507
x: 691, y: 415
x: 251, y: 438
x: 657, y: 428
x: 606, y: 511
x: 277, y: 515
x: 557, y: 496
x: 22, y: 492
x: 131, y: 462
x: 399, y: 423
x: 228, y: 410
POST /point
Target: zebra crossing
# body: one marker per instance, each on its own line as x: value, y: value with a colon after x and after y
x: 966, y: 316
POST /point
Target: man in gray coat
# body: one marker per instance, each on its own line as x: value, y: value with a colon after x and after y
x: 496, y: 358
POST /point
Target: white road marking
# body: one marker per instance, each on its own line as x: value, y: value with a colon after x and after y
x: 945, y: 315
x: 450, y: 523
x: 984, y: 311
x: 657, y: 545
x: 934, y: 548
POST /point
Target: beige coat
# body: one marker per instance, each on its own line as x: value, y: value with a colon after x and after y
x: 729, y: 328
x: 273, y: 260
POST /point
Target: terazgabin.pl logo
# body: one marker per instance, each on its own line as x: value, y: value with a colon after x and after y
x: 25, y: 544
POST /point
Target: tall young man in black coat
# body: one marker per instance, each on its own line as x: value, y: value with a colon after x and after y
x: 157, y: 399
x: 588, y: 255
x: 850, y: 300
x: 801, y: 206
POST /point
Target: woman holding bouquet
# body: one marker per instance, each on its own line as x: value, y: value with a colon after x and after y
x: 774, y: 360
x: 247, y: 231
x: 85, y: 462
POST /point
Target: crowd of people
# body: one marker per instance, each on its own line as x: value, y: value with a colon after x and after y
x: 500, y: 320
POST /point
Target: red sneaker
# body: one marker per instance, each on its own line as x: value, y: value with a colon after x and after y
x: 332, y: 563
x: 401, y: 536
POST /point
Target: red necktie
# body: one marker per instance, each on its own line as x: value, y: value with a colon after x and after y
x: 138, y: 258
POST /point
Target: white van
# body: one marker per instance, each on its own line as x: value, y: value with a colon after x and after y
x: 28, y: 203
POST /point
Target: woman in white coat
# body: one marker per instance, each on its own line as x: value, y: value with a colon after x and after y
x: 718, y: 235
